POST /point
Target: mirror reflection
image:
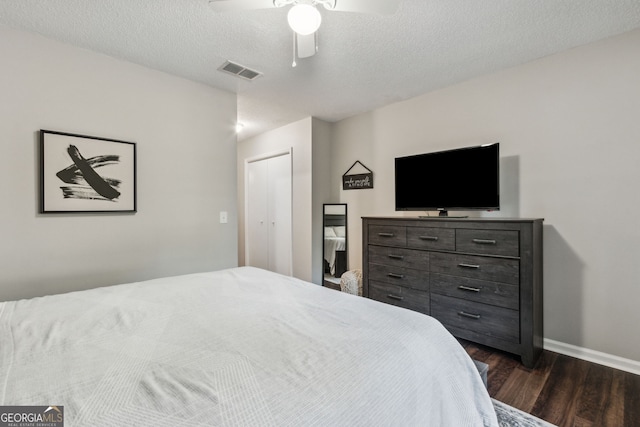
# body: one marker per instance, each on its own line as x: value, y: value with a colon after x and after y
x: 334, y: 224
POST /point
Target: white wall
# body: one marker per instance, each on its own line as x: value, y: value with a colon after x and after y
x: 309, y: 140
x: 569, y: 128
x: 297, y: 137
x: 320, y: 192
x: 186, y: 170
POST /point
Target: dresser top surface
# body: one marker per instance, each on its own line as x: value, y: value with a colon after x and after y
x: 452, y: 218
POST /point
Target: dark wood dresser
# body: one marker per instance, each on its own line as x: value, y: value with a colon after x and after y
x: 480, y: 277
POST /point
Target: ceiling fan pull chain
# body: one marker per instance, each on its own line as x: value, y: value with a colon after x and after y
x: 295, y: 47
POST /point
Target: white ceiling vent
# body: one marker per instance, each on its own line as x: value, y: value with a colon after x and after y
x: 239, y: 71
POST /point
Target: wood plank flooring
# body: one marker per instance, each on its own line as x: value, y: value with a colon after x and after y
x: 562, y: 390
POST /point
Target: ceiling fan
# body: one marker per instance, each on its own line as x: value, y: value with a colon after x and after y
x: 304, y: 17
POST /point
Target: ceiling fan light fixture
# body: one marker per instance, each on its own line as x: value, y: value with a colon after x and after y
x: 304, y: 19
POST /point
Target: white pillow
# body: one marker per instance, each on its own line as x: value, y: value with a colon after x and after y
x: 341, y: 231
x: 329, y: 232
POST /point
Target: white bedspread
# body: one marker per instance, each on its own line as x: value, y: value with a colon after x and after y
x: 239, y: 347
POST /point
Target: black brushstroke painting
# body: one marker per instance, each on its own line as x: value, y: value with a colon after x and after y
x: 85, y: 174
x: 84, y: 170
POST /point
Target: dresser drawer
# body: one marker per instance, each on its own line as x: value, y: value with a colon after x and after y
x: 407, y: 277
x: 399, y: 257
x: 431, y: 238
x: 411, y: 299
x: 476, y: 267
x: 484, y: 319
x: 389, y: 235
x: 490, y: 242
x: 493, y: 293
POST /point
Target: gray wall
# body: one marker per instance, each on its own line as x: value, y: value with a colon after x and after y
x: 569, y: 128
x: 186, y: 170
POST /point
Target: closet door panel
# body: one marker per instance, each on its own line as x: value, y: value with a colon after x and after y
x: 279, y: 208
x: 257, y: 228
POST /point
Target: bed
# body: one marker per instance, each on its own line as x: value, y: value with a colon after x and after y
x: 335, y: 243
x: 334, y: 246
x: 236, y: 347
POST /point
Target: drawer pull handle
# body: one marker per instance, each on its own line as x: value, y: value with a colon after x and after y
x: 385, y: 234
x: 430, y: 238
x: 392, y: 256
x: 468, y: 288
x: 395, y: 275
x: 469, y: 315
x: 469, y: 265
x: 484, y: 241
x: 395, y: 297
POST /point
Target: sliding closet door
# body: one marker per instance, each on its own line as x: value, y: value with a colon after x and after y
x: 279, y: 201
x: 268, y: 214
x: 257, y: 242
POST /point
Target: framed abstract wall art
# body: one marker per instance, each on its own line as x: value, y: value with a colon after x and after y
x: 81, y: 173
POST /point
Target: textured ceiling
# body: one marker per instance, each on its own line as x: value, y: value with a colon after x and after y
x: 364, y: 61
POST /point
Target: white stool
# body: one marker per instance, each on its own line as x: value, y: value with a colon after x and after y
x: 351, y: 282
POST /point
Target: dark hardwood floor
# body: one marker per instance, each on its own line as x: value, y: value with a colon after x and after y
x: 562, y: 390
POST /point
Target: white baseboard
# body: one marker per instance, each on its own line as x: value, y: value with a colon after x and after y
x: 594, y: 356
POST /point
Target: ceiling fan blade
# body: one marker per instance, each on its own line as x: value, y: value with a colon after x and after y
x: 381, y: 7
x: 306, y: 45
x: 227, y: 5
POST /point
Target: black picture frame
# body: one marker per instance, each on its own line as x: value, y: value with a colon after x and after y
x: 82, y: 174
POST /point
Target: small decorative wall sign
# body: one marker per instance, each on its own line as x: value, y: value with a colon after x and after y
x: 80, y: 173
x: 359, y: 181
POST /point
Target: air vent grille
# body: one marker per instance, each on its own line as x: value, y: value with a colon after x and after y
x: 239, y: 71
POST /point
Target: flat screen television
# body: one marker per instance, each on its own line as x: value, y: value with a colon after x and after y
x: 461, y: 179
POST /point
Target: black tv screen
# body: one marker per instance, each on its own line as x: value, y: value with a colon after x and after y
x: 462, y: 179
